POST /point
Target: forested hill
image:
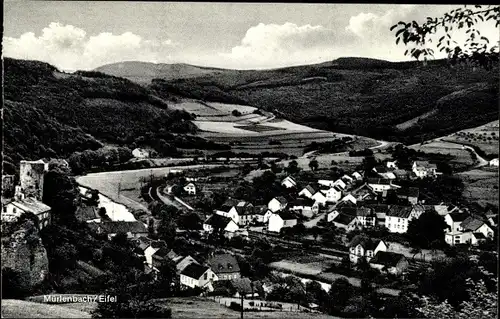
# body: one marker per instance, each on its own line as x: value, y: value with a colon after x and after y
x: 403, y: 101
x: 53, y: 114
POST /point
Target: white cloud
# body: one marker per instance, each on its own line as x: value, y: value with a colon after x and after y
x: 273, y: 45
x: 69, y: 47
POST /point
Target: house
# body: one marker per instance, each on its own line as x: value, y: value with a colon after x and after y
x: 289, y: 182
x: 219, y: 222
x: 308, y: 191
x: 224, y: 266
x: 390, y: 262
x: 380, y: 185
x: 151, y: 249
x: 196, y: 275
x: 140, y: 153
x: 391, y: 164
x: 471, y: 231
x: 190, y: 188
x: 401, y: 174
x: 234, y: 209
x: 424, y: 169
x: 364, y: 247
x: 398, y: 217
x: 349, y: 198
x: 494, y: 162
x: 161, y: 256
x: 454, y: 220
x: 183, y: 262
x: 347, y: 179
x: 340, y: 183
x: 12, y: 210
x: 262, y: 214
x: 319, y: 197
x: 133, y: 229
x: 364, y: 192
x: 357, y: 176
x: 366, y: 217
x: 332, y: 194
x: 307, y: 207
x: 345, y: 221
x: 279, y: 220
x: 410, y: 194
x: 380, y: 211
x: 277, y: 204
x: 383, y: 172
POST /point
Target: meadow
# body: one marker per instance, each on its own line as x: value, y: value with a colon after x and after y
x: 481, y: 185
x: 484, y: 137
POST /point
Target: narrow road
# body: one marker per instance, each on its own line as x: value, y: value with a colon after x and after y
x: 482, y: 161
x: 165, y: 199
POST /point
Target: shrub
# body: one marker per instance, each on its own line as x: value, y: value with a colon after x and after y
x: 236, y: 113
x: 235, y: 306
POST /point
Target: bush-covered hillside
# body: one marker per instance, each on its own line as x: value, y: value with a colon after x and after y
x: 53, y: 114
x: 359, y: 96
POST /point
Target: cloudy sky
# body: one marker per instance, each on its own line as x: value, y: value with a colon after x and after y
x: 85, y: 35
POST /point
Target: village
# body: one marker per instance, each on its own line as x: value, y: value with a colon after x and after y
x: 359, y: 220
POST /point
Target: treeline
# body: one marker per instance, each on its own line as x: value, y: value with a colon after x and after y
x: 52, y: 114
x: 335, y: 146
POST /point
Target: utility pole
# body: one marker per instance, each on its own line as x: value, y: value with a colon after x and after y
x: 241, y: 305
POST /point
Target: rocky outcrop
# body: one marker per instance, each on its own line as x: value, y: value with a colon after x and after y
x: 23, y: 251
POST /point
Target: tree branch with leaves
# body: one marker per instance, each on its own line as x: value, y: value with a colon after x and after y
x: 475, y: 49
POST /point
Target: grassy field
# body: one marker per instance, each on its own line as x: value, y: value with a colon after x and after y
x: 481, y: 185
x: 26, y: 309
x: 306, y: 264
x: 108, y: 183
x: 485, y: 137
x: 198, y: 307
x: 461, y: 156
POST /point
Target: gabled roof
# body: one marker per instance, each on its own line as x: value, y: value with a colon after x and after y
x: 409, y: 192
x: 380, y: 169
x: 285, y: 215
x: 244, y: 210
x: 218, y: 221
x: 364, y: 211
x: 115, y: 227
x: 282, y: 200
x: 310, y: 189
x: 223, y: 263
x: 387, y: 258
x: 31, y: 205
x: 231, y: 202
x: 158, y: 243
x: 378, y: 208
x: 458, y: 217
x: 366, y: 242
x: 143, y: 242
x: 164, y: 253
x: 302, y: 202
x: 400, y: 172
x: 479, y: 235
x: 184, y: 262
x: 291, y: 179
x: 472, y: 223
x: 194, y: 270
x: 261, y: 210
x: 244, y: 285
x: 85, y: 213
x: 400, y: 211
x: 425, y: 164
x: 344, y: 219
x: 189, y: 184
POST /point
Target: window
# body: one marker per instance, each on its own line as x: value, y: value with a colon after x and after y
x: 205, y: 276
x: 5, y: 209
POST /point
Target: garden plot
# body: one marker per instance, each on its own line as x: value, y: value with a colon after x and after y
x: 228, y: 108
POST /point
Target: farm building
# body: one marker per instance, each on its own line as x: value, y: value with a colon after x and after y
x: 424, y: 169
x: 219, y: 222
x: 364, y: 247
x: 289, y: 182
x: 140, y: 153
x: 277, y: 204
x: 190, y: 188
x: 307, y: 207
x: 196, y: 275
x: 12, y: 210
x: 390, y: 262
x: 332, y: 194
x: 398, y: 217
x: 308, y: 191
x: 224, y: 266
x: 280, y: 220
x: 262, y: 214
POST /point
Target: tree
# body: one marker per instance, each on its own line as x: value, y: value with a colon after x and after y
x: 313, y: 164
x: 481, y: 304
x: 190, y: 221
x: 167, y: 227
x: 340, y: 293
x: 474, y: 50
x: 426, y: 230
x: 236, y: 113
x: 15, y: 284
x: 293, y: 167
x: 60, y: 192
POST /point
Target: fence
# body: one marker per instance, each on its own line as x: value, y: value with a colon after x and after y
x: 259, y: 305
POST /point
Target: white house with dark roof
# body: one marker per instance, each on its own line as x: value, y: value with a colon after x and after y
x: 494, y: 162
x: 280, y: 220
x: 381, y: 185
x: 12, y: 210
x: 262, y: 214
x: 326, y: 182
x: 471, y: 231
x: 398, y: 217
x: 220, y: 222
x: 424, y: 169
x: 305, y: 206
x: 277, y: 204
x: 308, y: 191
x: 340, y: 183
x: 390, y: 262
x: 332, y: 194
x: 225, y: 266
x: 319, y: 197
x: 289, y: 182
x: 357, y: 176
x: 140, y: 153
x: 196, y: 275
x: 364, y: 247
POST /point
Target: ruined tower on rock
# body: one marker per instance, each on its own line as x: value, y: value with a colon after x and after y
x: 31, y: 177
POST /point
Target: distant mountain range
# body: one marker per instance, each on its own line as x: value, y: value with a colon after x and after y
x: 401, y: 101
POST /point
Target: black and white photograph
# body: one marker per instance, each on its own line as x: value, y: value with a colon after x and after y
x: 249, y: 160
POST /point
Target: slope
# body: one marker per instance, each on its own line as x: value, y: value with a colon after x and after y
x: 144, y: 72
x: 52, y: 114
x: 12, y: 308
x: 358, y: 96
